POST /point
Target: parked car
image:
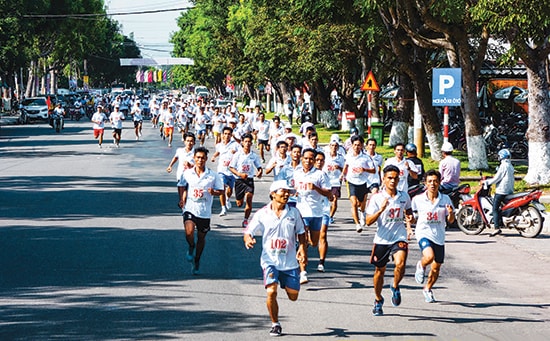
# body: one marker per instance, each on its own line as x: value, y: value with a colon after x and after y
x: 36, y: 108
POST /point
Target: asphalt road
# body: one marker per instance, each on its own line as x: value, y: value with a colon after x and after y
x: 92, y: 248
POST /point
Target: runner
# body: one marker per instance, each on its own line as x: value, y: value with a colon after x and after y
x: 406, y: 167
x: 116, y: 119
x: 242, y: 166
x: 200, y: 185
x: 99, y: 119
x: 168, y: 119
x: 391, y: 210
x: 356, y: 169
x: 185, y: 158
x: 311, y: 186
x: 225, y: 150
x: 378, y: 160
x: 323, y: 243
x: 261, y: 134
x: 431, y: 208
x: 137, y: 118
x: 333, y: 168
x: 281, y: 226
x: 279, y: 161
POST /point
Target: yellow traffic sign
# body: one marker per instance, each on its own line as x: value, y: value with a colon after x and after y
x: 370, y: 83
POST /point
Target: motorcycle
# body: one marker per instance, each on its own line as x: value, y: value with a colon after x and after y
x: 57, y: 122
x: 458, y: 195
x: 521, y: 211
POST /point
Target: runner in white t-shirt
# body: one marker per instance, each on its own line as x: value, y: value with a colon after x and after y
x: 99, y: 118
x: 245, y: 165
x: 432, y: 210
x: 279, y: 161
x: 185, y: 158
x: 200, y: 185
x: 261, y: 134
x: 224, y: 152
x: 406, y: 167
x: 311, y: 186
x: 280, y: 226
x: 391, y: 210
x: 356, y: 171
x: 116, y: 119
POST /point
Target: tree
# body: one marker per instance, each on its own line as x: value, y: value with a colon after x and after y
x: 526, y: 25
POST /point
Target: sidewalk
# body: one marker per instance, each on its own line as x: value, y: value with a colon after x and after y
x: 7, y: 119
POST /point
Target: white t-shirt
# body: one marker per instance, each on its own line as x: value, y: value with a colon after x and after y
x: 183, y: 157
x: 431, y: 220
x: 280, y: 164
x: 356, y: 163
x: 391, y: 223
x: 168, y: 118
x: 226, y: 154
x: 199, y: 200
x: 262, y: 129
x: 403, y: 171
x: 310, y: 202
x: 101, y: 117
x: 246, y: 163
x: 136, y: 111
x: 279, y: 236
x: 116, y: 119
x: 377, y: 160
x: 332, y: 170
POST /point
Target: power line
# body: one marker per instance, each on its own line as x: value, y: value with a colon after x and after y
x: 95, y: 15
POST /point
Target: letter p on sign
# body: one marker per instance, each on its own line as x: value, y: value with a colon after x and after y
x: 445, y: 82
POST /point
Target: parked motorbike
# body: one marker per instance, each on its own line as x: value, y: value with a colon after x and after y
x: 521, y: 211
x: 458, y: 195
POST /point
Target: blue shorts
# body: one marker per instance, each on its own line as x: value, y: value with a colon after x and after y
x: 314, y: 223
x: 287, y: 278
x: 201, y: 132
x: 228, y: 180
x: 325, y: 220
x: 439, y: 250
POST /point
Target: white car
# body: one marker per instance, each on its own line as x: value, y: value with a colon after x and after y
x: 36, y: 108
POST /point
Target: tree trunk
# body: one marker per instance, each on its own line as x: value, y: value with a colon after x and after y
x: 538, y: 132
x: 403, y: 111
x: 477, y: 153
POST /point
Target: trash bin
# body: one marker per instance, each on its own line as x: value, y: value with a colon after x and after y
x: 377, y: 132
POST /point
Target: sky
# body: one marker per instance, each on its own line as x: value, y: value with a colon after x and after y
x: 151, y: 31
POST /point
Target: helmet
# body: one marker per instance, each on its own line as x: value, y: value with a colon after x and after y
x: 353, y: 131
x: 447, y: 147
x: 503, y: 154
x: 411, y: 148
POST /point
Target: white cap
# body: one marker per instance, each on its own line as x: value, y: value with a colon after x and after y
x: 447, y: 147
x: 279, y: 184
x: 288, y: 126
x: 335, y: 138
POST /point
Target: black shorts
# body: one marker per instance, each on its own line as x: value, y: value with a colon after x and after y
x: 243, y: 186
x: 336, y: 191
x: 264, y: 142
x: 381, y: 253
x: 358, y: 191
x: 202, y: 224
x: 137, y: 123
x: 117, y: 131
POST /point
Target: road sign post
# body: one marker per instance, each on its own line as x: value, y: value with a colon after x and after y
x: 447, y: 87
x: 370, y: 85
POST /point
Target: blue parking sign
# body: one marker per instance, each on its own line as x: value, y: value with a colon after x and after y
x: 446, y: 87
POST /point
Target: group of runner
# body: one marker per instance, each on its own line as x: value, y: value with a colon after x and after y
x: 307, y: 181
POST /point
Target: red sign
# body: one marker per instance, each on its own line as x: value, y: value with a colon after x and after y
x: 370, y: 83
x: 350, y: 115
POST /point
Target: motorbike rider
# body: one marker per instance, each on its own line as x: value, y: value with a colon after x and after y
x: 449, y: 167
x: 504, y: 180
x: 59, y: 113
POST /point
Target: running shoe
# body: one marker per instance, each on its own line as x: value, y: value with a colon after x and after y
x: 377, y: 309
x: 331, y: 221
x: 321, y: 268
x: 420, y: 273
x: 228, y: 204
x: 169, y: 145
x: 359, y: 228
x: 196, y: 269
x: 189, y: 256
x: 276, y: 330
x: 361, y: 217
x: 395, y: 296
x: 245, y: 223
x: 223, y: 212
x: 428, y: 296
x: 303, y: 277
